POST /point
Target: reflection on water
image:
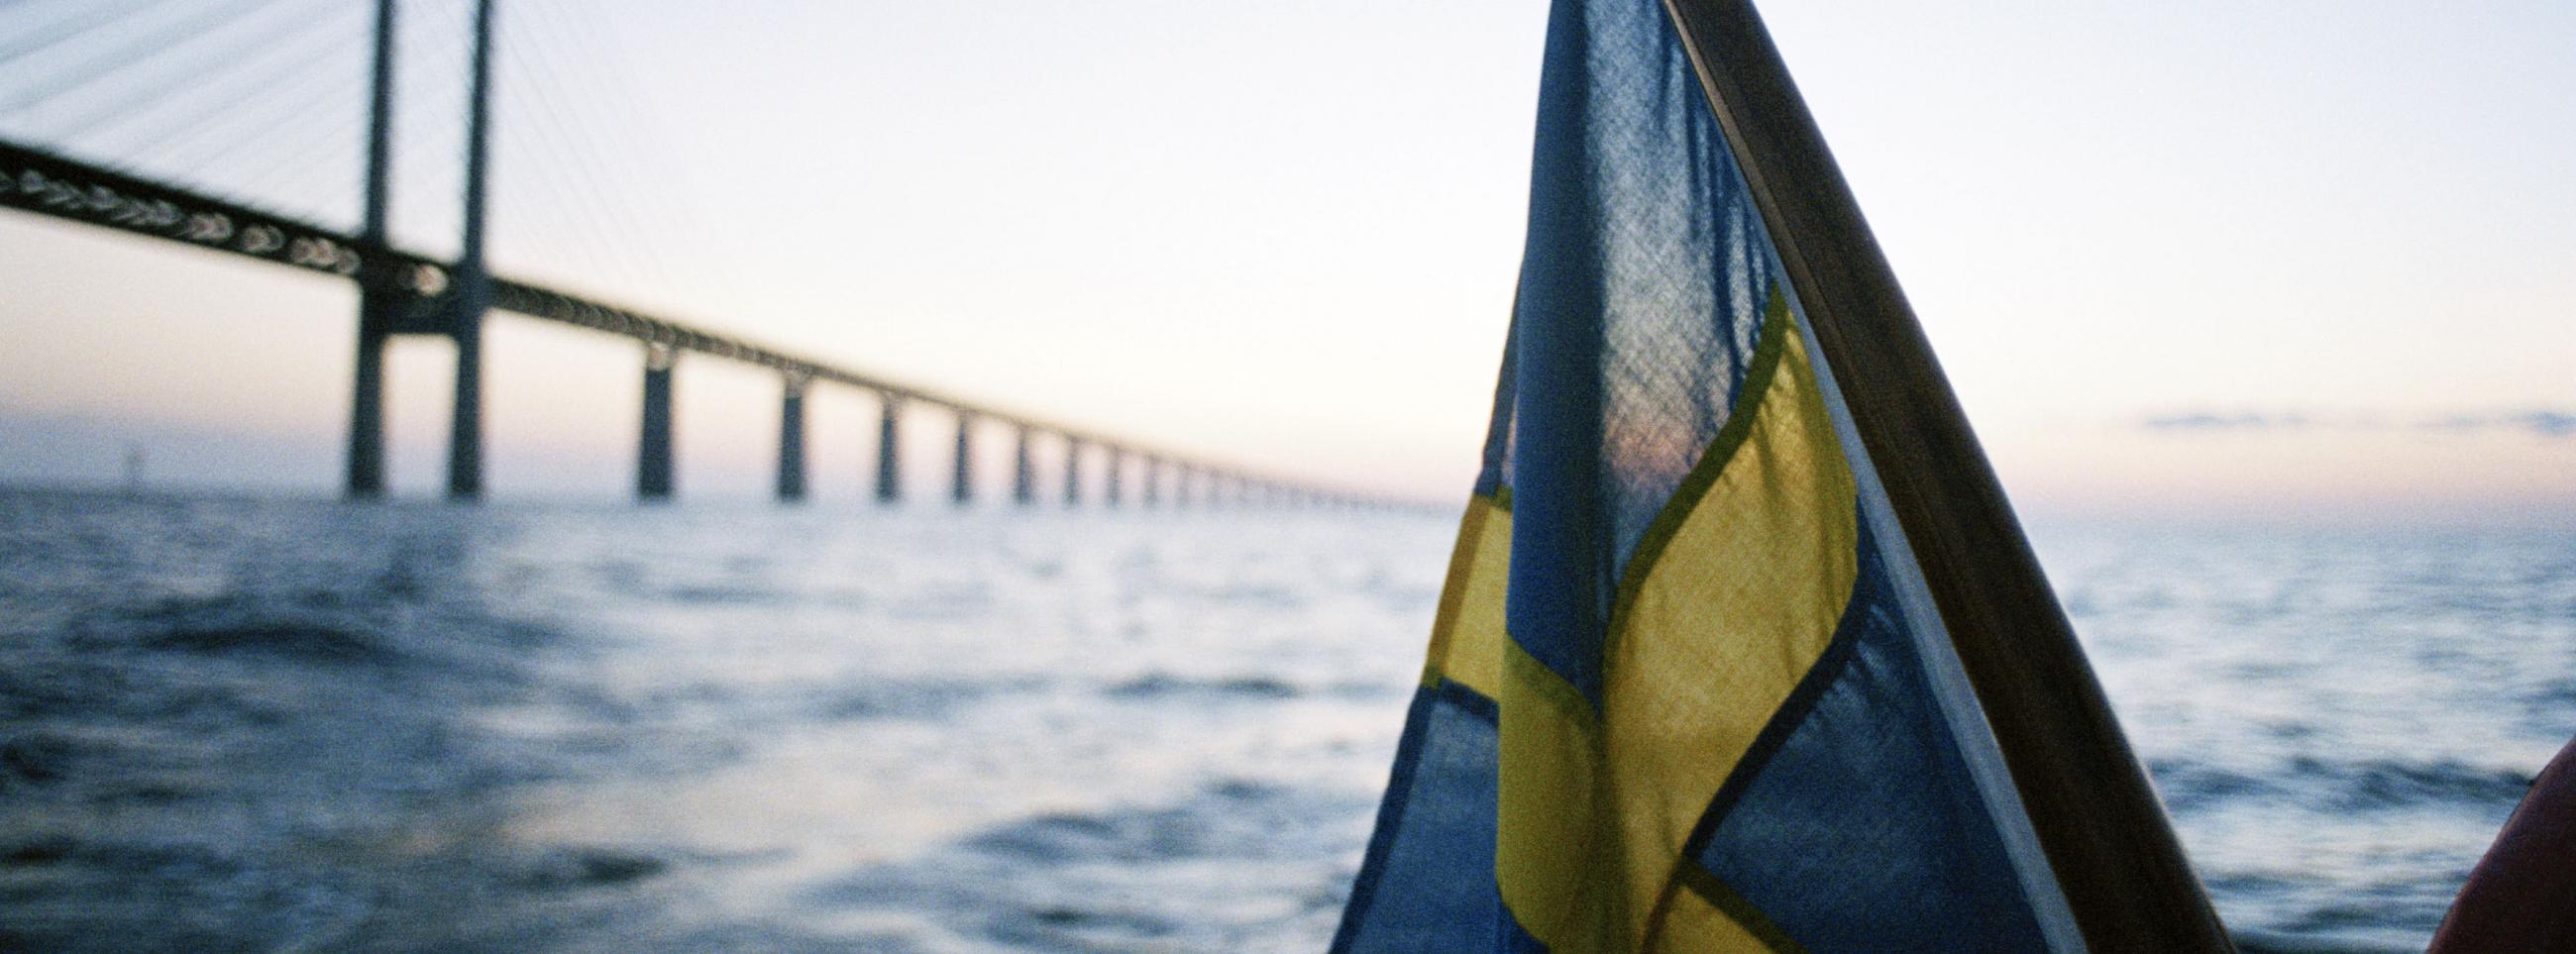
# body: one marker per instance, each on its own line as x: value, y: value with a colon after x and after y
x: 231, y: 724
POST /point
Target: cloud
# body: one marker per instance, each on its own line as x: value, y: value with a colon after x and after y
x: 2538, y: 423
x: 2218, y: 421
x: 2545, y: 423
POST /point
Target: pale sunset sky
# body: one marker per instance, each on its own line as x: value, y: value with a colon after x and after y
x: 2305, y: 259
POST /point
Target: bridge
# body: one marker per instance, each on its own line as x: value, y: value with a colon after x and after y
x: 409, y: 293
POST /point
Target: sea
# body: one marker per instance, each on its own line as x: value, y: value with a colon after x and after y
x: 277, y: 725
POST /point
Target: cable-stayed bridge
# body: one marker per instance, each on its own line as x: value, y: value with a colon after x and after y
x: 175, y: 119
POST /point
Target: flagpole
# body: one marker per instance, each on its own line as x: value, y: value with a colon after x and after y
x: 2098, y: 820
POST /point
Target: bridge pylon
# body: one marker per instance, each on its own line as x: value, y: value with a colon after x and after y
x: 1072, y: 471
x: 376, y: 308
x: 653, y: 447
x: 791, y: 437
x: 1024, y: 472
x: 472, y: 293
x: 961, y: 477
x: 889, y: 457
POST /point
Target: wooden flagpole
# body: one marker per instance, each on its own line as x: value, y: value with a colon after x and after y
x: 2099, y: 822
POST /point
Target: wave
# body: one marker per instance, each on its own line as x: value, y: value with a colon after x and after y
x: 302, y: 641
x: 2342, y: 786
x: 1162, y: 684
x: 1125, y: 878
x: 2376, y: 784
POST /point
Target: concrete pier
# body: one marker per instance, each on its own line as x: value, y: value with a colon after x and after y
x: 1024, y: 474
x: 1072, y: 472
x: 961, y: 478
x: 889, y: 457
x: 465, y: 428
x: 366, y: 464
x: 791, y: 439
x: 653, y: 453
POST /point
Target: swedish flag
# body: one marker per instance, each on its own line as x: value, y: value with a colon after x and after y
x: 1704, y: 677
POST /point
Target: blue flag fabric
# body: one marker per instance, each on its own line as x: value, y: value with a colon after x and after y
x: 1685, y: 691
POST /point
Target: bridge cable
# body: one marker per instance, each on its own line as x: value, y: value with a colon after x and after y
x: 648, y: 210
x: 430, y: 124
x: 286, y: 169
x: 141, y: 47
x: 561, y: 135
x: 73, y: 26
x: 580, y: 131
x: 581, y: 180
x: 675, y: 204
x: 247, y: 121
x: 145, y: 150
x: 302, y: 173
x: 218, y: 75
x: 267, y: 125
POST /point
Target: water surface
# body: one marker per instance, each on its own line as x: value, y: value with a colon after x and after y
x: 236, y: 724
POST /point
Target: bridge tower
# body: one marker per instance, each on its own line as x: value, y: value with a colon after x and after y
x: 385, y: 311
x: 471, y: 294
x: 376, y: 305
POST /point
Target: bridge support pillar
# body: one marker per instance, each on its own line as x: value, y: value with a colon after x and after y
x: 1072, y: 472
x: 961, y: 477
x: 1024, y: 489
x: 366, y: 474
x: 791, y: 439
x: 465, y: 427
x: 653, y: 451
x: 473, y: 284
x: 889, y: 458
x: 1113, y: 490
x: 1153, y: 477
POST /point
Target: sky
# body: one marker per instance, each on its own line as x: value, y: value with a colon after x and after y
x: 2299, y: 259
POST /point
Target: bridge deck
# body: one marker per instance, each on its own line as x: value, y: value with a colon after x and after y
x: 46, y: 183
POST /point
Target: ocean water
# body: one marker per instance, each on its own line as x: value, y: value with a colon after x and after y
x: 277, y: 725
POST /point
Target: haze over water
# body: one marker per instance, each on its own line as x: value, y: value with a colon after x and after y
x: 247, y: 724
